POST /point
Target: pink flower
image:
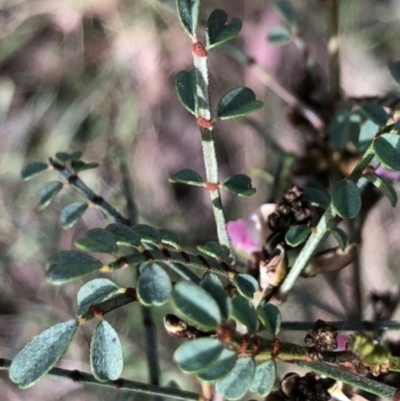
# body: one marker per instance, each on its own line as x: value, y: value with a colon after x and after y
x: 388, y: 174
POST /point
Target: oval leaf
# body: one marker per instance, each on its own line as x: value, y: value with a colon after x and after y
x: 244, y: 313
x: 196, y: 305
x: 340, y: 236
x: 394, y: 68
x: 220, y: 367
x: 170, y: 238
x: 154, y: 285
x: 264, y: 378
x: 79, y: 165
x: 188, y: 12
x: 185, y: 86
x: 187, y: 176
x: 48, y: 193
x: 296, y: 235
x: 235, y: 384
x: 66, y: 157
x: 93, y: 293
x: 346, y: 199
x: 106, y: 358
x: 375, y: 112
x: 198, y: 354
x: 212, y: 249
x: 270, y: 317
x: 315, y: 197
x: 367, y: 134
x: 41, y: 354
x: 387, y: 148
x: 97, y: 240
x: 340, y: 128
x: 218, y: 31
x: 237, y: 103
x: 384, y: 185
x: 239, y: 184
x: 32, y: 169
x: 213, y: 285
x: 148, y: 234
x: 124, y: 235
x: 279, y: 35
x: 287, y: 12
x: 246, y: 285
x: 67, y: 266
x: 72, y: 213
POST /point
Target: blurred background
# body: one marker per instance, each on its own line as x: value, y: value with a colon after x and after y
x: 98, y: 76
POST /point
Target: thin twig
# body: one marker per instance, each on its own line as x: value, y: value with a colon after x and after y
x: 345, y: 326
x: 334, y: 49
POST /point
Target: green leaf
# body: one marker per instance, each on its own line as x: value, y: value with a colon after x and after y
x: 340, y: 128
x: 264, y: 378
x: 154, y: 285
x: 124, y: 235
x: 394, y: 68
x: 286, y: 11
x: 237, y: 103
x: 346, y: 199
x: 97, y: 240
x: 218, y: 31
x: 185, y: 86
x: 375, y: 112
x: 196, y: 305
x: 296, y: 235
x: 32, y: 169
x: 213, y: 285
x: 367, y: 134
x: 93, y: 293
x: 384, y: 185
x: 387, y: 148
x: 66, y: 157
x: 340, y: 236
x: 72, y: 213
x: 220, y: 367
x: 270, y: 317
x: 239, y: 184
x: 67, y: 266
x: 246, y: 285
x: 195, y: 355
x: 79, y: 165
x: 235, y: 384
x: 187, y: 176
x: 170, y: 238
x: 280, y: 35
x: 41, y: 354
x: 315, y: 197
x: 106, y: 358
x: 244, y: 313
x: 48, y: 193
x: 212, y: 249
x: 188, y: 12
x: 148, y: 234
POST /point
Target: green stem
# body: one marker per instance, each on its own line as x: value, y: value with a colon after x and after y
x: 345, y: 326
x: 120, y: 384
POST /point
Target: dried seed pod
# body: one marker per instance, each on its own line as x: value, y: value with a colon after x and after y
x: 323, y: 337
x: 178, y: 328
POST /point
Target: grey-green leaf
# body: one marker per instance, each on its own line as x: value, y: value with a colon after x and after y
x: 287, y: 11
x: 264, y: 378
x: 213, y: 285
x: 124, y: 235
x: 296, y: 235
x: 211, y: 248
x: 185, y: 86
x: 239, y: 184
x: 346, y: 199
x: 170, y: 238
x: 368, y: 131
x: 235, y: 384
x: 67, y: 266
x: 340, y: 236
x: 246, y: 285
x: 384, y: 185
x: 279, y: 35
x: 79, y: 165
x: 220, y: 367
x: 244, y: 313
x: 394, y: 68
x: 32, y: 169
x: 218, y: 31
x: 195, y: 355
x: 187, y: 176
x: 270, y: 317
x: 106, y: 358
x: 154, y: 285
x: 375, y: 112
x: 188, y: 12
x: 315, y: 197
x: 196, y: 305
x: 148, y: 234
x: 97, y: 240
x: 72, y: 213
x: 387, y: 148
x: 41, y: 354
x: 237, y: 103
x: 48, y: 193
x: 66, y: 157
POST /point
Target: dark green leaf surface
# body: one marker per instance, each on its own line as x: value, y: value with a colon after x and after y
x: 315, y: 197
x: 367, y: 134
x: 211, y: 248
x: 394, y: 68
x: 244, y: 313
x: 264, y: 378
x: 97, y: 240
x: 48, y: 193
x: 384, y: 185
x: 218, y: 31
x: 270, y: 317
x: 67, y: 266
x: 66, y: 157
x: 246, y: 285
x: 185, y: 86
x: 235, y: 384
x: 279, y: 35
x: 154, y: 285
x: 187, y: 176
x: 79, y: 165
x: 93, y: 293
x: 106, y: 358
x: 239, y: 184
x: 287, y: 11
x: 170, y: 238
x: 220, y: 367
x: 72, y: 213
x: 124, y: 235
x: 41, y: 354
x: 387, y: 148
x: 340, y: 236
x: 340, y: 128
x: 346, y: 199
x: 296, y: 235
x: 32, y: 169
x: 148, y: 234
x: 375, y: 112
x: 213, y: 285
x: 188, y: 12
x: 237, y: 103
x: 196, y: 355
x: 196, y: 305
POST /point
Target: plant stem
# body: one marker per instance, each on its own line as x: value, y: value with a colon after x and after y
x: 120, y: 384
x: 345, y: 326
x: 334, y: 49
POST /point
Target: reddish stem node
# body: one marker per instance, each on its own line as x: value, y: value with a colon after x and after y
x: 96, y: 311
x: 204, y: 123
x: 199, y: 50
x: 211, y: 186
x: 275, y: 348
